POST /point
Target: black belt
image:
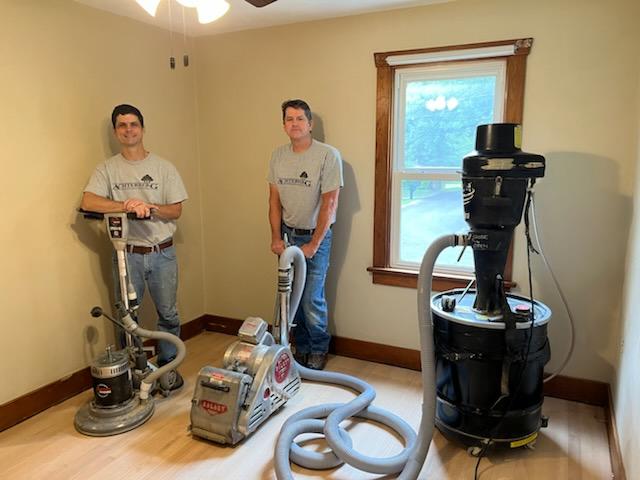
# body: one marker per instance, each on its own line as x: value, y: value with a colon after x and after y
x: 145, y: 250
x: 300, y: 231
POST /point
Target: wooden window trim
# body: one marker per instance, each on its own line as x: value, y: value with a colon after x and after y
x: 382, y: 272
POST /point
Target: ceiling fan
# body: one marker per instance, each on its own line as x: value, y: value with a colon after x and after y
x: 208, y: 10
x: 260, y: 3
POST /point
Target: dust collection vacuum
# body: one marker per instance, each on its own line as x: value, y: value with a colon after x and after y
x: 124, y: 381
x: 482, y: 350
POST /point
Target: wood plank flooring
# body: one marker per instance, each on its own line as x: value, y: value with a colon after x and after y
x: 47, y: 446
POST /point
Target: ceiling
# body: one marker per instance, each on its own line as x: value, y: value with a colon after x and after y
x: 242, y: 16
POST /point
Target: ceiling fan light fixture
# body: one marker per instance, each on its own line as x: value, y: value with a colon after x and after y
x: 260, y: 3
x: 150, y: 6
x: 189, y: 3
x: 210, y: 10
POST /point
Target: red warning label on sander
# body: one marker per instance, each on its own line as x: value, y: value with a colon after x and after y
x: 282, y: 367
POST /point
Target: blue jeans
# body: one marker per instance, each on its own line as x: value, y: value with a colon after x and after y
x: 312, y: 333
x: 159, y: 271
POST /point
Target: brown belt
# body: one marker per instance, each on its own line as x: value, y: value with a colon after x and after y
x: 145, y: 250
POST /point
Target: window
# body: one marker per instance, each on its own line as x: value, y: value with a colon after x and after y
x: 429, y: 103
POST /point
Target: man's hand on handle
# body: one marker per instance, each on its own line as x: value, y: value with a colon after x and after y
x: 139, y: 207
x: 278, y: 246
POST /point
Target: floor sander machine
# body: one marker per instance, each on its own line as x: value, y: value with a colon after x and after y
x: 259, y: 373
x: 124, y: 381
x: 482, y: 350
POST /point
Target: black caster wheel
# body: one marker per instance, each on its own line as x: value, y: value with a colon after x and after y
x: 544, y: 421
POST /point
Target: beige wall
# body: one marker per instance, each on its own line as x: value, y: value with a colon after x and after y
x: 579, y: 86
x: 64, y: 67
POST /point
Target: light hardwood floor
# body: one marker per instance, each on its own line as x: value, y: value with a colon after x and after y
x: 47, y: 446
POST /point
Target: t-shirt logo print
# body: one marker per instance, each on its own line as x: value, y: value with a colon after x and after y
x: 145, y: 183
x: 302, y: 181
x: 304, y: 176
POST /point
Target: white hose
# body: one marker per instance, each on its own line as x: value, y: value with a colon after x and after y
x: 564, y: 300
x: 181, y: 352
x: 326, y: 419
x: 292, y: 255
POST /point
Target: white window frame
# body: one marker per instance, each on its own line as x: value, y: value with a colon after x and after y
x: 403, y: 76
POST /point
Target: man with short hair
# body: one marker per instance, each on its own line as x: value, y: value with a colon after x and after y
x: 305, y: 177
x: 136, y: 180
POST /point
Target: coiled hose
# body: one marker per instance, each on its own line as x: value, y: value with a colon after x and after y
x: 326, y: 418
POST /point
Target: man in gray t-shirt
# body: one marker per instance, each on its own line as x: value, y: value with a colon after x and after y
x: 138, y: 181
x: 305, y: 177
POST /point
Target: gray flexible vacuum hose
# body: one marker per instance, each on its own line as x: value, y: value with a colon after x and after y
x: 326, y: 419
x: 147, y: 383
x: 292, y: 255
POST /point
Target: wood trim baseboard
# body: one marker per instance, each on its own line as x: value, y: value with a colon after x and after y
x: 192, y: 328
x: 347, y: 347
x: 376, y: 352
x: 32, y: 403
x: 615, y: 453
x: 594, y: 393
x: 216, y: 323
x: 577, y: 390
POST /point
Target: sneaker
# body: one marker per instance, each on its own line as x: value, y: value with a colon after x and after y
x: 301, y: 358
x: 178, y: 382
x: 317, y: 361
x: 171, y: 381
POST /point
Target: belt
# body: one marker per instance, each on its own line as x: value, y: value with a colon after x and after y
x: 145, y: 250
x: 300, y: 231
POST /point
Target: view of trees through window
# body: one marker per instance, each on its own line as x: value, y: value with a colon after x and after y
x: 441, y: 118
x: 439, y: 125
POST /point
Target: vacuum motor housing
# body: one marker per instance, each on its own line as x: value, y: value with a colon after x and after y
x: 112, y: 384
x: 495, y: 178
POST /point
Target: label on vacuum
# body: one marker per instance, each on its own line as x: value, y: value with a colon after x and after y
x: 524, y: 441
x: 517, y: 136
x: 282, y: 367
x: 213, y: 408
x: 102, y: 390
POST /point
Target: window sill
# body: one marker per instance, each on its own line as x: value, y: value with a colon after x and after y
x: 409, y: 279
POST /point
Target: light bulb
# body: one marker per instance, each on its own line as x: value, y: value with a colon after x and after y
x: 210, y: 10
x: 150, y: 6
x: 188, y: 3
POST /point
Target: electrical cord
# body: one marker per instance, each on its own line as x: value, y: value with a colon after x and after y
x: 530, y: 249
x: 560, y: 292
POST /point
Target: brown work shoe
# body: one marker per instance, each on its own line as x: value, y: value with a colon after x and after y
x: 317, y: 361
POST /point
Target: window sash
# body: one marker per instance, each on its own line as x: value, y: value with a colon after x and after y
x: 400, y: 172
x: 396, y: 188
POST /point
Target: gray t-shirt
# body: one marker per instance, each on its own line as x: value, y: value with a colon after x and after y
x: 153, y: 179
x: 301, y: 178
